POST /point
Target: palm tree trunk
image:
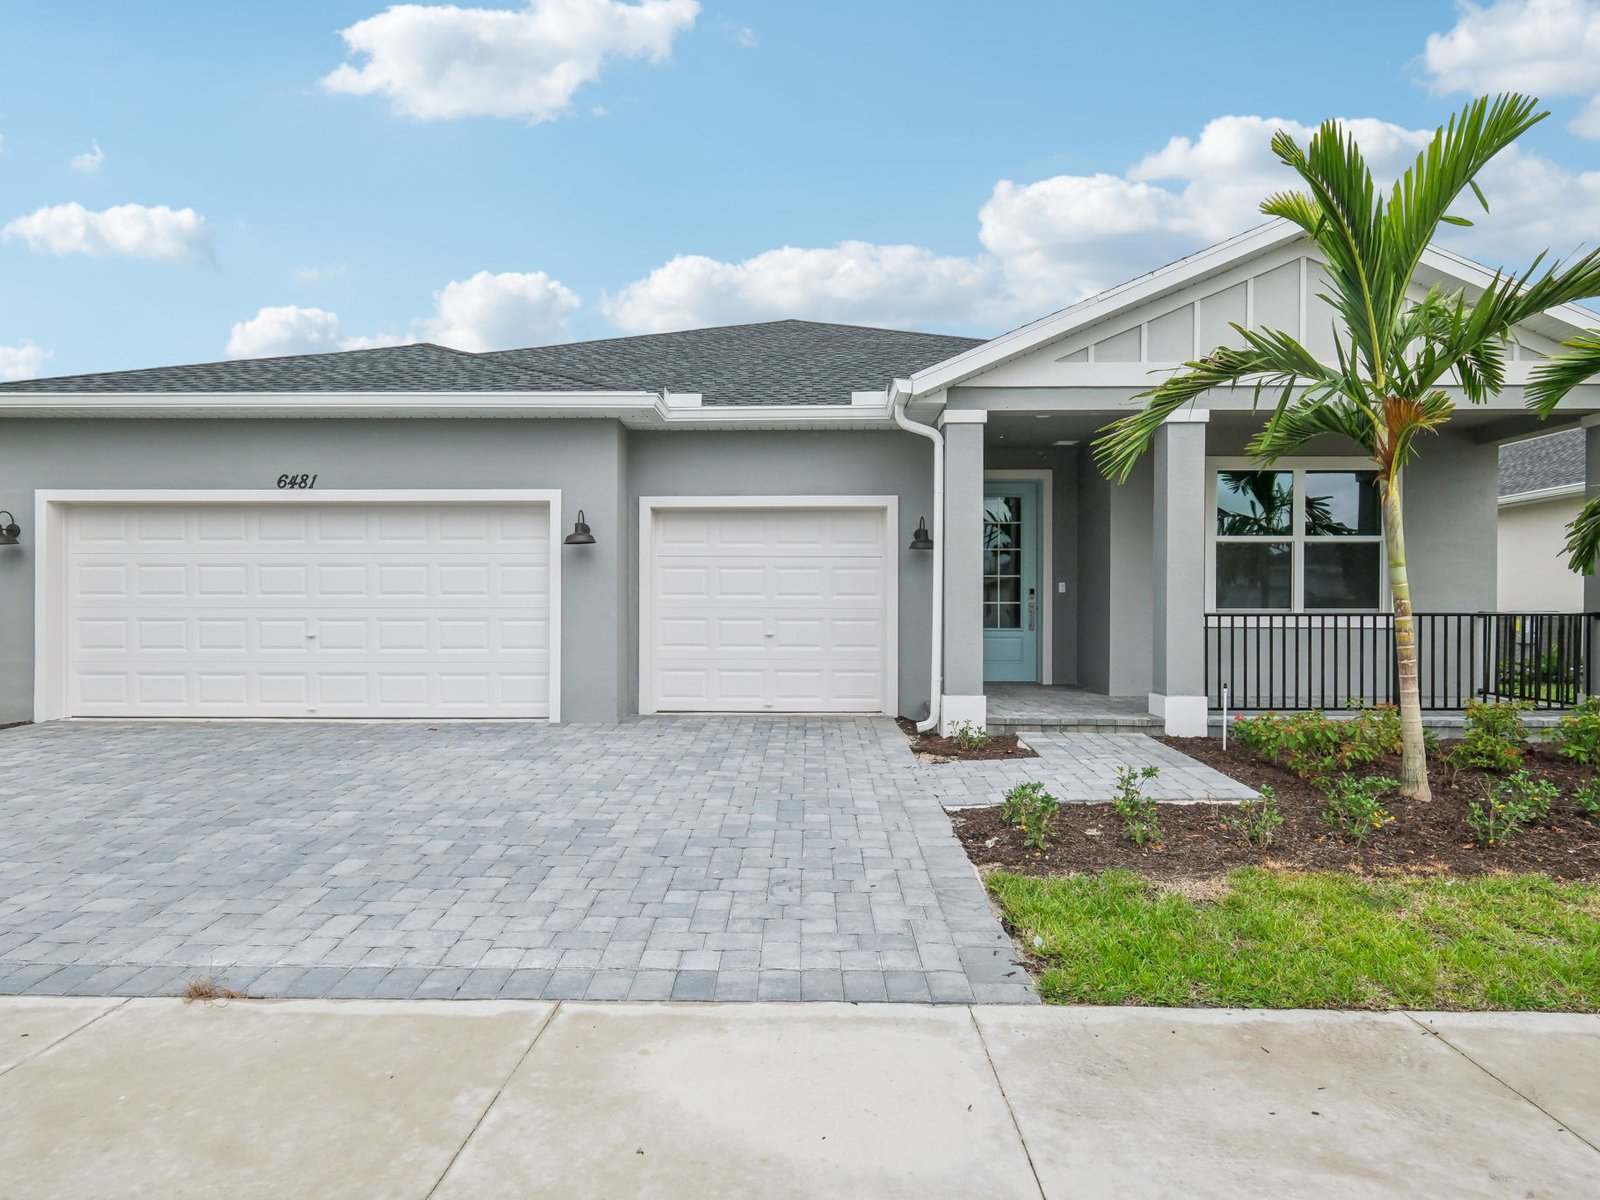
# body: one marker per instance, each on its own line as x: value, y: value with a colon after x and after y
x: 1413, y: 754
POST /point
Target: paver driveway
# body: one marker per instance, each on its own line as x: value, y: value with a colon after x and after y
x: 682, y: 858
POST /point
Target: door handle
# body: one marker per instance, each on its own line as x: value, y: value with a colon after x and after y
x: 1033, y: 609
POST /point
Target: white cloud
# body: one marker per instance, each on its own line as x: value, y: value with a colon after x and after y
x: 853, y: 282
x: 89, y: 161
x: 288, y: 329
x: 484, y: 312
x: 500, y: 312
x: 442, y: 61
x: 124, y: 231
x: 744, y: 36
x: 1546, y: 47
x: 1050, y: 242
x: 316, y: 274
x: 21, y: 362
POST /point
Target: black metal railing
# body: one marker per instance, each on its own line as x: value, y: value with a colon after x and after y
x: 1333, y: 660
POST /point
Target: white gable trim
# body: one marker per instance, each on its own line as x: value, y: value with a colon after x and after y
x: 1213, y: 261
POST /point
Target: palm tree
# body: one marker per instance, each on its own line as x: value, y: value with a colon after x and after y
x: 1396, y: 354
x: 1552, y: 380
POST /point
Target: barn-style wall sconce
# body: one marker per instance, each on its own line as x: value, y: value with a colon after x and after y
x: 9, y: 529
x: 922, y: 539
x: 580, y: 535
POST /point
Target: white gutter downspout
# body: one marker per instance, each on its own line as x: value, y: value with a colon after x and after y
x: 899, y: 395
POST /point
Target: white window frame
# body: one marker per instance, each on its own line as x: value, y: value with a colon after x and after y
x: 1296, y: 537
x: 50, y: 567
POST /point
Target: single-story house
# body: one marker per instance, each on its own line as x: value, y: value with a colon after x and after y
x: 1541, y: 491
x: 772, y: 518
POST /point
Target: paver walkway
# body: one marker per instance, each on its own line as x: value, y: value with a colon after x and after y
x: 371, y: 1099
x: 699, y: 859
x: 1081, y: 768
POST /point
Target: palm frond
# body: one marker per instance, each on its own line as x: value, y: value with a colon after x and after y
x: 1556, y: 376
x: 1583, y: 538
x: 1269, y: 358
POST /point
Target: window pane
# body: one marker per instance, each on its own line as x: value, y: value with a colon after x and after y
x: 1254, y: 575
x: 1343, y: 575
x: 1009, y: 616
x: 1254, y: 503
x: 1341, y: 502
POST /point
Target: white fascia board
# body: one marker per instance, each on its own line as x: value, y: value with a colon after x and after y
x: 649, y: 410
x: 1565, y: 490
x: 1574, y: 316
x: 1097, y: 308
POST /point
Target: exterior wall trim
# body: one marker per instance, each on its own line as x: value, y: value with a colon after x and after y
x: 1045, y: 477
x: 50, y: 516
x: 888, y: 505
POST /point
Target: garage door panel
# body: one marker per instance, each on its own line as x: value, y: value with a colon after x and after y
x: 372, y: 612
x: 753, y: 610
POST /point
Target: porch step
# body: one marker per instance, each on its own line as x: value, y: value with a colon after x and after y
x: 1075, y: 724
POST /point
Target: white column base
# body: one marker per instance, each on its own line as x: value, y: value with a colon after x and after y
x: 956, y: 711
x: 1185, y: 716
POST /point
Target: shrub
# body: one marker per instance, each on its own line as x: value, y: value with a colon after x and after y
x: 1257, y: 821
x: 1578, y: 735
x: 1511, y: 805
x: 1353, y: 810
x: 969, y: 736
x: 1494, y: 737
x: 1586, y: 798
x: 1032, y: 810
x: 1314, y: 745
x: 1140, y: 821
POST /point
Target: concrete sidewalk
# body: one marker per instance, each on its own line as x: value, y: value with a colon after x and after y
x: 423, y: 1098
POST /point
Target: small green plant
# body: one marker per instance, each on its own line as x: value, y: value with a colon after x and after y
x: 1494, y: 737
x: 1257, y: 821
x: 1586, y: 798
x: 970, y: 737
x: 1315, y: 746
x: 1353, y: 808
x: 1578, y: 735
x: 1511, y: 805
x: 1140, y: 820
x: 1032, y: 810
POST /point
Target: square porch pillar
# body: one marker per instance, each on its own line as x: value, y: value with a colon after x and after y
x: 1179, y: 670
x: 1591, y: 582
x: 962, y: 700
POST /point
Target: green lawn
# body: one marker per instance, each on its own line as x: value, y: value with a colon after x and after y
x: 1320, y: 940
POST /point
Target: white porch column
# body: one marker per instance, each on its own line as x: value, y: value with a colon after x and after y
x: 962, y: 700
x: 1179, y: 695
x: 1591, y: 583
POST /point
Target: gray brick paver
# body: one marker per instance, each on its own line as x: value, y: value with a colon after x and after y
x: 715, y: 858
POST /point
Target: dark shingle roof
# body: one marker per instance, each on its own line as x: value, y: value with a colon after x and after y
x: 421, y: 367
x: 774, y: 362
x: 1554, y: 460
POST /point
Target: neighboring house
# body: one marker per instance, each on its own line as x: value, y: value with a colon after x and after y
x: 1541, y: 491
x: 388, y: 532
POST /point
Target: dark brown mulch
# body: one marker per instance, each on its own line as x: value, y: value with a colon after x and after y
x: 14, y: 724
x: 1424, y: 838
x: 999, y: 745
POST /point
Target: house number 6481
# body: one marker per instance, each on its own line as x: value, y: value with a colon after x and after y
x: 297, y: 481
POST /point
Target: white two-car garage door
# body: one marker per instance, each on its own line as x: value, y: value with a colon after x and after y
x: 768, y: 609
x: 297, y: 609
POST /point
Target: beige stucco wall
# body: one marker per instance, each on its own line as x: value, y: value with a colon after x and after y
x: 1533, y: 576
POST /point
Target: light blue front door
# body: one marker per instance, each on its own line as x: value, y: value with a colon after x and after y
x: 1011, y: 607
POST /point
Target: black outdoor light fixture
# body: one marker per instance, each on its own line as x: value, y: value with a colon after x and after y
x: 922, y: 539
x: 9, y: 530
x: 580, y: 535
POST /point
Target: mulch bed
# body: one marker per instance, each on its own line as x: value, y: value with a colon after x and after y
x: 948, y: 749
x: 1424, y: 838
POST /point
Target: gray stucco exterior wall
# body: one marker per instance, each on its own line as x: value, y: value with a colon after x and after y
x: 596, y: 464
x: 799, y: 463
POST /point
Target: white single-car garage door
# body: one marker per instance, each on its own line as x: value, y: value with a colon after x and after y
x: 296, y: 609
x: 768, y: 609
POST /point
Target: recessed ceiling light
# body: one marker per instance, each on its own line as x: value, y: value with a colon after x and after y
x: 1066, y: 442
x: 1043, y: 416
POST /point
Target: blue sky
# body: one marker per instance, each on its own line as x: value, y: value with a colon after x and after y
x: 434, y: 172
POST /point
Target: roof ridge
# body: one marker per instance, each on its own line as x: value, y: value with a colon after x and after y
x: 511, y: 369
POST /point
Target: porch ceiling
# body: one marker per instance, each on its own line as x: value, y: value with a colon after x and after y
x: 1043, y: 430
